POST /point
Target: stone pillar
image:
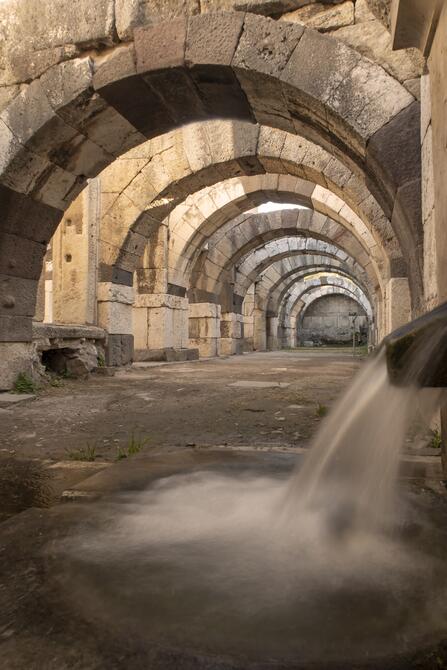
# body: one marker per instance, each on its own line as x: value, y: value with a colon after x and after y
x: 204, y: 328
x: 398, y: 303
x: 115, y: 316
x: 288, y: 339
x: 259, y: 329
x: 160, y: 322
x: 272, y: 332
x: 231, y: 333
x: 152, y: 277
x: 74, y: 252
x: 21, y: 258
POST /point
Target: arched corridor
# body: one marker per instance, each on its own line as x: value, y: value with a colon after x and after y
x: 215, y: 214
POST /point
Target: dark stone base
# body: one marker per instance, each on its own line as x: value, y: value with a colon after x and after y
x: 146, y: 355
x: 119, y: 350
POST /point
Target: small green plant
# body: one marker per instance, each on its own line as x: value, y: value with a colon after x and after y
x: 101, y: 361
x: 134, y: 445
x: 120, y: 454
x: 436, y: 439
x: 24, y: 384
x: 87, y: 453
x: 57, y: 382
x: 321, y: 410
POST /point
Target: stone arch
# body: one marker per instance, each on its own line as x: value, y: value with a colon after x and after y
x: 282, y: 268
x: 291, y: 304
x: 260, y: 243
x: 79, y: 115
x: 276, y: 298
x: 313, y: 297
x: 202, y: 215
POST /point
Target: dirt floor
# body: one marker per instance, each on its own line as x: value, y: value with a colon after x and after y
x: 96, y: 441
x: 182, y: 404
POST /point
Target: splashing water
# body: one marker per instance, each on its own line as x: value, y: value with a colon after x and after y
x: 354, y: 459
x: 268, y: 566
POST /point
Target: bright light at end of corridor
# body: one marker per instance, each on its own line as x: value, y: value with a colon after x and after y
x: 275, y: 206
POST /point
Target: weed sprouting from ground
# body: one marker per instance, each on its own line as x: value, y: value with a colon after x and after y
x: 24, y: 384
x: 321, y: 410
x: 435, y: 440
x: 23, y: 484
x: 134, y: 445
x: 57, y: 382
x: 87, y: 453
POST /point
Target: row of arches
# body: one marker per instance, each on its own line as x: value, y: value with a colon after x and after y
x: 183, y: 144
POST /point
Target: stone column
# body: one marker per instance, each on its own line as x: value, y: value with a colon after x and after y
x: 204, y: 328
x: 398, y: 303
x: 272, y: 332
x: 259, y: 329
x: 74, y: 256
x: 115, y: 316
x: 231, y: 333
x: 287, y: 339
x: 160, y: 310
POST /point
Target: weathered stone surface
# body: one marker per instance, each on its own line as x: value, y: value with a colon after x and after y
x: 212, y: 39
x: 156, y: 49
x: 119, y: 350
x: 323, y: 17
x: 50, y: 331
x: 20, y: 257
x: 372, y: 40
x: 15, y: 328
x: 15, y: 358
x: 266, y: 45
x: 39, y: 35
x: 27, y: 218
x: 381, y: 9
x: 394, y: 152
x: 133, y: 13
x: 17, y: 296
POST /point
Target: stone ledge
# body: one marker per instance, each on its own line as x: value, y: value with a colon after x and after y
x: 55, y: 331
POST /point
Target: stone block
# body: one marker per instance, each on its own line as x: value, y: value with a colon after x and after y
x: 160, y: 47
x: 115, y: 317
x: 15, y: 358
x: 394, y: 152
x: 201, y: 309
x: 207, y: 347
x: 119, y: 350
x: 212, y: 39
x: 266, y: 45
x: 115, y: 65
x: 372, y: 40
x: 109, y: 292
x: 17, y: 296
x: 323, y: 17
x: 15, y: 328
x: 398, y: 303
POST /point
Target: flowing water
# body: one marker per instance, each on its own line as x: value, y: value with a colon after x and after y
x: 330, y: 562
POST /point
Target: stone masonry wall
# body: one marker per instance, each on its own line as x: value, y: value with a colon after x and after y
x: 327, y: 320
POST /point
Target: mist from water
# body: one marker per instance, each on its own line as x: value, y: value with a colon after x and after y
x: 314, y: 565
